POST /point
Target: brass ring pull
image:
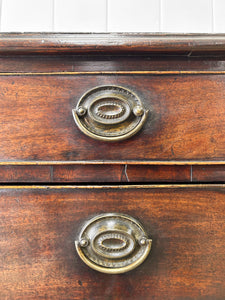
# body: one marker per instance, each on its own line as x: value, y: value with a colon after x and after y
x: 109, y: 113
x: 113, y: 243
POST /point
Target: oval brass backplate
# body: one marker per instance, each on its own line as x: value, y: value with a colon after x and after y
x: 110, y: 113
x: 113, y: 243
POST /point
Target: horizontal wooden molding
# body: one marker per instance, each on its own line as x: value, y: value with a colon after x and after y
x: 122, y: 186
x: 110, y: 42
x: 113, y: 73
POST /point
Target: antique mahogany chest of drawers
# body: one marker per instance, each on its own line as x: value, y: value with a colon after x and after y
x: 112, y: 166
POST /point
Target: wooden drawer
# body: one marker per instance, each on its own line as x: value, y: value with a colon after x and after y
x: 186, y: 118
x: 40, y: 223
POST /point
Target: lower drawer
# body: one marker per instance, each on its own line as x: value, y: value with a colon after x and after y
x: 39, y: 224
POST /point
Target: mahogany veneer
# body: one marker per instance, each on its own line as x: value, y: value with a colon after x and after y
x: 39, y: 226
x: 180, y: 79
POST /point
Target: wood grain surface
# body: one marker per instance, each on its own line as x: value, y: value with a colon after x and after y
x: 25, y: 174
x: 181, y: 80
x: 158, y: 173
x: 43, y: 63
x: 39, y: 226
x: 103, y: 172
x: 186, y: 119
x: 208, y: 173
x: 189, y: 44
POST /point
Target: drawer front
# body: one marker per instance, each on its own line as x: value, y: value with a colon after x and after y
x: 186, y: 119
x: 40, y: 224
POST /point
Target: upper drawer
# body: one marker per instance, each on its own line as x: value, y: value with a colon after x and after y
x: 186, y: 119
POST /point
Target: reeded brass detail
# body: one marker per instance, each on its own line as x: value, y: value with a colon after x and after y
x: 113, y: 243
x: 110, y: 113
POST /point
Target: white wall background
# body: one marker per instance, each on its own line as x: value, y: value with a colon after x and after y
x: 181, y: 16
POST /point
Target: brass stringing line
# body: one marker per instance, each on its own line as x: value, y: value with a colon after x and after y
x: 115, y: 72
x: 133, y: 162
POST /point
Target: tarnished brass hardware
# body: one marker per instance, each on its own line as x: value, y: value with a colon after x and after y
x: 81, y: 111
x: 110, y: 113
x: 138, y: 110
x: 113, y: 243
x: 83, y: 243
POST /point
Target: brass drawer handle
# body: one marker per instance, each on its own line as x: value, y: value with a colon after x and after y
x: 110, y: 113
x: 113, y: 243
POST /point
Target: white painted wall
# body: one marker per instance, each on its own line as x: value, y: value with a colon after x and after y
x: 199, y: 16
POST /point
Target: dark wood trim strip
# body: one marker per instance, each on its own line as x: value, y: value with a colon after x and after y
x: 163, y: 174
x: 110, y: 42
x: 94, y: 173
x: 135, y: 186
x: 24, y: 173
x: 211, y: 173
x: 107, y: 63
x: 114, y: 73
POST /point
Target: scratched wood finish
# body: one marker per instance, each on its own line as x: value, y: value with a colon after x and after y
x: 93, y: 173
x: 121, y: 173
x: 186, y: 119
x: 39, y: 226
x: 111, y: 173
x: 31, y: 43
